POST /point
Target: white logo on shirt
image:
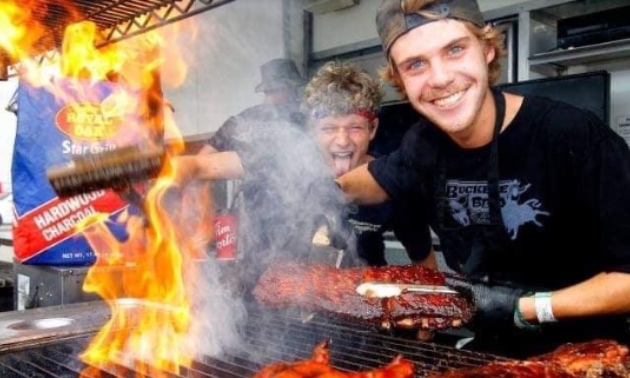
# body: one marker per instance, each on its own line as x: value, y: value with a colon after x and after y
x: 364, y: 226
x: 468, y: 204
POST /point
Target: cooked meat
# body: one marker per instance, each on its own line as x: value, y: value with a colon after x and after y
x: 321, y: 288
x: 318, y: 367
x: 594, y: 359
x: 597, y: 358
x: 509, y: 369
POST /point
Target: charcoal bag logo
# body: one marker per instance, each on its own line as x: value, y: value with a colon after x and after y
x: 86, y: 121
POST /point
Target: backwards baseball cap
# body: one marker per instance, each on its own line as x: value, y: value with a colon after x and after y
x: 392, y: 21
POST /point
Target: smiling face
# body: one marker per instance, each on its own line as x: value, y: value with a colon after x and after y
x: 444, y: 70
x: 344, y: 140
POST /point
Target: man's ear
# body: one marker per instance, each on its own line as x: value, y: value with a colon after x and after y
x: 374, y: 128
x: 491, y: 52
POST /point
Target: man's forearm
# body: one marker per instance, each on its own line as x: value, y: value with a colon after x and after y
x: 361, y: 187
x: 604, y: 294
x: 207, y: 166
x: 186, y: 169
x: 220, y: 166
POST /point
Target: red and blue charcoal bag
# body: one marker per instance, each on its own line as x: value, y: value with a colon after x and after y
x: 51, y: 129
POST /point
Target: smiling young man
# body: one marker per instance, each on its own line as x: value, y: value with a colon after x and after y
x: 527, y: 195
x: 341, y: 102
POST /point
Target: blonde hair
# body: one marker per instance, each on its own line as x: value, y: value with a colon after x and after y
x: 489, y: 36
x: 341, y: 88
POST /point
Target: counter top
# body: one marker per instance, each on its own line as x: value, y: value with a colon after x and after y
x: 25, y: 328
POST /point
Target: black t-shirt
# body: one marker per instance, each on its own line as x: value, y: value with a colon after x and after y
x: 240, y: 130
x: 564, y: 179
x: 409, y: 227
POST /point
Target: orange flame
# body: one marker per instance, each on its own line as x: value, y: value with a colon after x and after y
x: 144, y: 278
x: 19, y: 29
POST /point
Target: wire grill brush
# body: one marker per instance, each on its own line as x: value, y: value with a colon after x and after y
x: 111, y: 169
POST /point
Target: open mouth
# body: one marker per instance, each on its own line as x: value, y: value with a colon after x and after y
x: 342, y: 162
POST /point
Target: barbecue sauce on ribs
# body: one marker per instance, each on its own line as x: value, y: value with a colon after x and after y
x: 318, y: 367
x: 594, y: 359
x: 325, y: 289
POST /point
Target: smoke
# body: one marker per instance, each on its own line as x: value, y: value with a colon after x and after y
x: 217, y: 309
x: 231, y: 44
x: 287, y: 190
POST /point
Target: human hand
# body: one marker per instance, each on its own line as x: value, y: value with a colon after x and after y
x: 494, y: 304
x: 332, y: 224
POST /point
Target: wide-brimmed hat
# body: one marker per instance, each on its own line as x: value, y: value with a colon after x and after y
x: 392, y: 21
x: 277, y: 74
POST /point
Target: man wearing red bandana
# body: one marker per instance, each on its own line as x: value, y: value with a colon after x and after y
x: 341, y: 102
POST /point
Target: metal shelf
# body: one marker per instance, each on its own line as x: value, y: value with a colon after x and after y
x: 584, y: 55
x: 116, y: 19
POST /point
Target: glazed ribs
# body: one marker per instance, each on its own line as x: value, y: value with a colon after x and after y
x: 594, y: 359
x: 509, y: 369
x: 598, y: 358
x: 318, y: 367
x: 324, y: 289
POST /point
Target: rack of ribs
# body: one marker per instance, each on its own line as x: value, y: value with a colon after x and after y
x: 324, y: 289
x: 597, y: 358
x: 593, y: 359
x: 318, y: 367
x: 509, y: 369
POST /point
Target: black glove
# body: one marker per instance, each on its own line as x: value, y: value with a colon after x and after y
x: 333, y: 211
x: 494, y: 304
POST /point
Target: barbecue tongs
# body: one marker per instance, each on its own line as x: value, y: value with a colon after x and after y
x: 376, y: 289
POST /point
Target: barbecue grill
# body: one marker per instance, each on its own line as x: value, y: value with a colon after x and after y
x: 47, y: 343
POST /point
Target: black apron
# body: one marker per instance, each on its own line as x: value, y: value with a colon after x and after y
x: 473, y: 249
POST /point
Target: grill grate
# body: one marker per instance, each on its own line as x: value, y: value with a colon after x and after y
x: 267, y: 338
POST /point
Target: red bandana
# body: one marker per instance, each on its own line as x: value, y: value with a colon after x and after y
x: 367, y: 113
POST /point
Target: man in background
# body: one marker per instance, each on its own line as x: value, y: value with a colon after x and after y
x: 281, y: 82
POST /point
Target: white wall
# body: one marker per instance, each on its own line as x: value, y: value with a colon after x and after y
x: 233, y: 41
x: 356, y: 24
x: 346, y: 26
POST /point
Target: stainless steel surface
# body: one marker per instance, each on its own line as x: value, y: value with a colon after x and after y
x: 43, y: 286
x: 19, y: 329
x: 40, y: 324
x: 376, y: 289
x: 584, y: 54
x: 135, y: 303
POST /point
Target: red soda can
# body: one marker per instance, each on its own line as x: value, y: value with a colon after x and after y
x: 225, y: 231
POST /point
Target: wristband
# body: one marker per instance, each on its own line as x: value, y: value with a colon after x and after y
x: 544, y: 311
x: 520, y: 321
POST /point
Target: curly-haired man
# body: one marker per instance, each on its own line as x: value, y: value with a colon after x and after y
x: 341, y: 102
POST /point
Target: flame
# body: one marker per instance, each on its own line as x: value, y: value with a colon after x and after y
x: 19, y: 29
x: 146, y: 277
x: 142, y: 280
